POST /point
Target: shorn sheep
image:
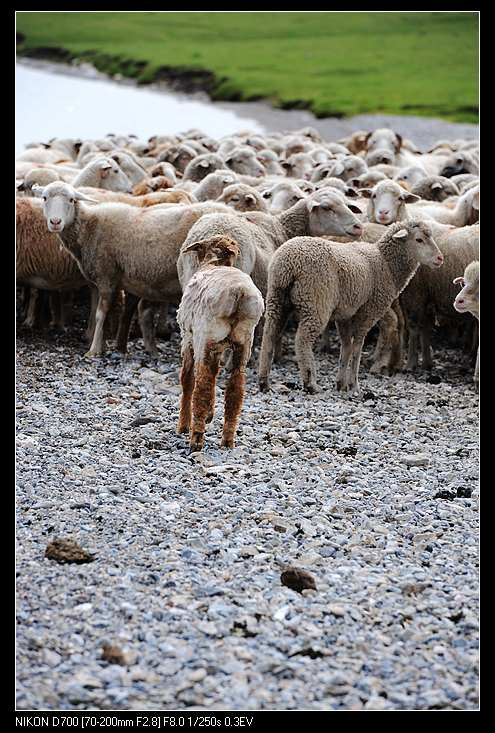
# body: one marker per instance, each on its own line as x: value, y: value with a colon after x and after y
x: 468, y: 300
x: 219, y: 310
x: 142, y: 263
x: 351, y: 285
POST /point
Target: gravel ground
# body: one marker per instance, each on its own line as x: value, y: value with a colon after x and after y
x: 376, y: 497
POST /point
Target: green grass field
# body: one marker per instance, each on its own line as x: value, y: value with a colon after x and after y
x: 421, y: 63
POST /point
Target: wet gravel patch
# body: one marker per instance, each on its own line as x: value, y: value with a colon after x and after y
x: 183, y: 606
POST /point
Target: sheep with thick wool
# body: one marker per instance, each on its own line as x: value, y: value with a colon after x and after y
x: 353, y: 285
x: 219, y: 310
x: 468, y: 300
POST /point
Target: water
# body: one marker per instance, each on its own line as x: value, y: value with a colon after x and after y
x: 64, y: 105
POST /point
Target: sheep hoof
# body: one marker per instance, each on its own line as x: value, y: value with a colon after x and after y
x: 379, y: 368
x: 209, y: 418
x: 227, y: 443
x: 263, y: 385
x: 181, y: 429
x: 90, y: 354
x: 197, y: 442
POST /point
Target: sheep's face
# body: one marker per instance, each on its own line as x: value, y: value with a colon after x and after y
x: 379, y: 156
x: 455, y: 165
x: 242, y: 198
x: 471, y: 200
x: 386, y: 202
x: 348, y: 168
x: 59, y: 204
x: 435, y: 188
x: 410, y: 176
x: 299, y: 165
x: 110, y: 176
x: 468, y: 299
x: 245, y: 162
x: 282, y: 196
x: 329, y: 213
x: 384, y: 139
x: 217, y: 251
x: 417, y: 237
x: 368, y: 179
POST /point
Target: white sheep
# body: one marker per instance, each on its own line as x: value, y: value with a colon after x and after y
x: 468, y: 299
x: 219, y: 310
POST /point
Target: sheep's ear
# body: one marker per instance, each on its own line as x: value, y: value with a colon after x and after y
x: 401, y: 234
x: 351, y: 192
x: 354, y: 208
x: 194, y: 247
x: 436, y: 185
x: 313, y: 205
x: 37, y: 190
x: 21, y: 186
x: 476, y: 201
x: 366, y: 193
x: 398, y: 142
x: 80, y: 196
x: 458, y: 281
x: 228, y: 161
x: 204, y: 164
x: 355, y: 182
x: 409, y: 198
x: 367, y: 137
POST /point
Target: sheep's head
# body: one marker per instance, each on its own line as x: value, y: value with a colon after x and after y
x: 435, y: 188
x: 415, y: 236
x: 215, y: 251
x: 384, y: 139
x: 378, y: 156
x: 201, y: 166
x: 456, y: 164
x: 330, y: 213
x: 409, y: 176
x: 59, y: 204
x: 386, y: 202
x: 242, y: 198
x: 243, y: 160
x: 468, y: 299
x: 282, y: 196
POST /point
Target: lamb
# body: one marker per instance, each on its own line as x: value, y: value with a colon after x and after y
x: 461, y: 162
x: 354, y: 286
x: 201, y: 166
x: 219, y: 310
x: 259, y: 235
x: 142, y: 263
x: 243, y: 160
x: 435, y: 188
x: 242, y: 198
x: 468, y: 299
x: 103, y: 173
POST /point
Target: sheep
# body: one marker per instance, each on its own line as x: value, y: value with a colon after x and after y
x: 429, y: 295
x: 387, y: 202
x: 148, y: 185
x: 43, y: 155
x: 367, y: 179
x: 40, y: 261
x: 95, y: 146
x: 242, y: 198
x: 435, y: 188
x: 356, y: 142
x: 350, y: 167
x: 466, y: 210
x: 354, y: 286
x: 213, y: 185
x: 259, y: 235
x: 385, y: 139
x: 468, y: 299
x: 143, y: 262
x: 339, y: 184
x: 69, y: 146
x: 179, y: 155
x: 270, y: 163
x: 39, y: 176
x: 154, y: 198
x: 164, y: 169
x: 282, y: 196
x: 129, y: 165
x: 243, y: 160
x: 299, y: 165
x: 461, y: 162
x: 409, y: 176
x: 201, y: 166
x: 103, y: 173
x: 220, y: 309
x: 378, y: 156
x: 464, y: 181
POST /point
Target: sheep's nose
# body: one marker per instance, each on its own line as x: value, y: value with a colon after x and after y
x: 460, y: 301
x: 383, y: 212
x: 357, y: 228
x: 440, y: 259
x: 55, y: 221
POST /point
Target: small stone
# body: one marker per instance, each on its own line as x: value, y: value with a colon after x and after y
x: 297, y: 579
x: 197, y: 675
x: 67, y: 551
x: 113, y: 654
x: 419, y: 459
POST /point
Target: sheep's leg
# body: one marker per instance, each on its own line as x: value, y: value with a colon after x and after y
x: 274, y: 320
x: 30, y: 319
x: 387, y: 343
x: 187, y: 384
x: 345, y: 335
x: 130, y: 305
x: 426, y: 351
x: 203, y: 398
x: 353, y: 375
x: 308, y: 330
x: 105, y: 298
x: 234, y: 393
x: 163, y: 328
x: 397, y: 357
x: 146, y: 312
x: 55, y: 308
x: 90, y: 330
x: 66, y: 306
x: 325, y: 340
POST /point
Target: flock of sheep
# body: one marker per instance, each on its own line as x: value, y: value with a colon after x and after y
x: 245, y: 233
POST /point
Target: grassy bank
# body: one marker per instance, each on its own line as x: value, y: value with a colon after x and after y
x: 332, y: 63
